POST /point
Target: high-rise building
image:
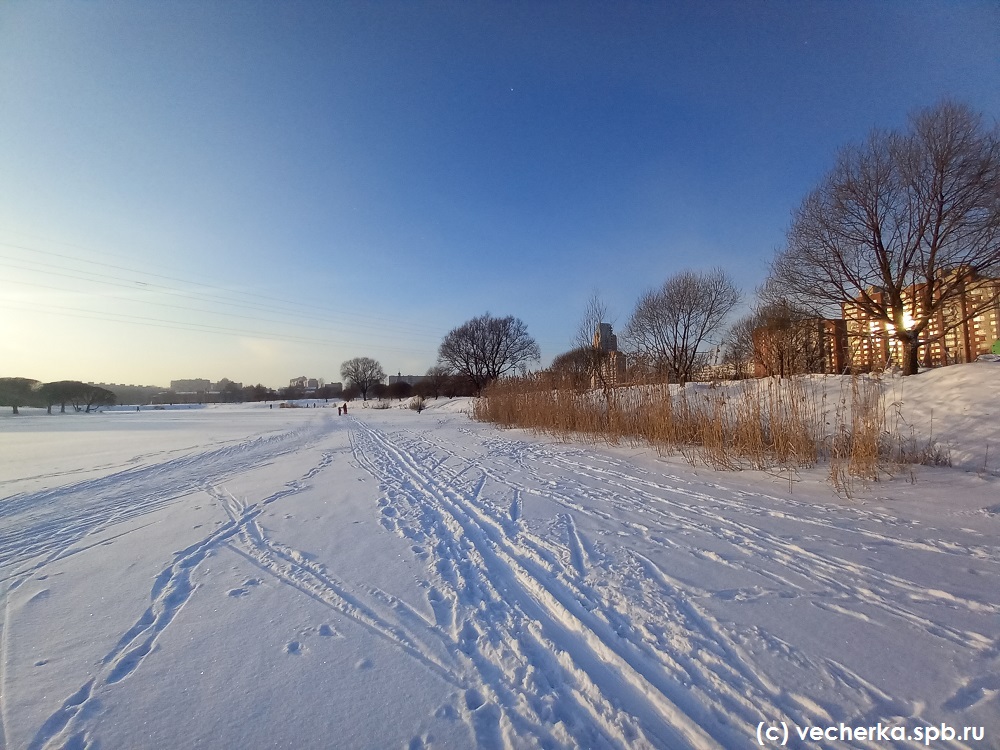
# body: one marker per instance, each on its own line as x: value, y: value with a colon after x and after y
x: 612, y: 364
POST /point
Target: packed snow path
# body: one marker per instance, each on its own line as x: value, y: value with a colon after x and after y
x: 264, y: 579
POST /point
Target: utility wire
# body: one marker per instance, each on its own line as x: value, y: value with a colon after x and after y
x: 377, y: 335
x: 280, y: 307
x: 76, y: 312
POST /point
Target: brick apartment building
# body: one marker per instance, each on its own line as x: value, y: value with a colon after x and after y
x: 799, y: 347
x: 872, y: 345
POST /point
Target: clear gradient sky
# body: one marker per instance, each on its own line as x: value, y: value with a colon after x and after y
x: 260, y: 190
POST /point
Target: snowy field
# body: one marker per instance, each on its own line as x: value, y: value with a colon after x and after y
x: 246, y: 577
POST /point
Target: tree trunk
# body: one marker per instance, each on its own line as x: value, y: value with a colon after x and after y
x: 911, y: 351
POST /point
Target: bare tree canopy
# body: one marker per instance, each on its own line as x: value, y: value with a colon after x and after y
x: 433, y: 382
x: 899, y: 226
x: 585, y: 353
x: 671, y: 324
x: 16, y: 392
x: 787, y: 340
x: 737, y: 345
x: 486, y: 348
x: 575, y: 367
x: 362, y: 373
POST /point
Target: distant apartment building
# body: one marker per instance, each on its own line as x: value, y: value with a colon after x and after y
x: 965, y: 328
x: 408, y: 379
x: 306, y: 384
x: 198, y: 391
x: 800, y: 347
x: 613, y: 363
x: 192, y: 385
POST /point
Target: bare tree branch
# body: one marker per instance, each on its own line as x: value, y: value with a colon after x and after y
x: 486, y: 348
x: 362, y: 373
x: 671, y: 324
x: 899, y: 227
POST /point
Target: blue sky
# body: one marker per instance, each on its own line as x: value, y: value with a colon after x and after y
x: 260, y: 190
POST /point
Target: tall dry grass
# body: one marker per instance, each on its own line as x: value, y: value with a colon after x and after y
x: 767, y: 424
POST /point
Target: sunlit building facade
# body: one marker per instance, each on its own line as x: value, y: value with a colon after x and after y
x: 962, y: 330
x: 613, y: 362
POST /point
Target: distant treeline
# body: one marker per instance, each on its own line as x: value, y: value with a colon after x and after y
x: 87, y: 397
x: 18, y: 392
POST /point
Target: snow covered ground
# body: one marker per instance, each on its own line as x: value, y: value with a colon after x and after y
x: 239, y: 576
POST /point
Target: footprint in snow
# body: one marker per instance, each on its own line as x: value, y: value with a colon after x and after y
x: 293, y: 648
x: 446, y: 712
x: 474, y: 699
x: 365, y: 664
x: 237, y: 592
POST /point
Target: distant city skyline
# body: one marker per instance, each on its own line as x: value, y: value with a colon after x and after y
x: 259, y: 190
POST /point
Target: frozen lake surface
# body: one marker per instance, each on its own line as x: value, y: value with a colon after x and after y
x: 239, y: 576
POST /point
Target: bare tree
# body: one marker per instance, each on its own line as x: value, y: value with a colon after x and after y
x: 899, y: 227
x: 574, y: 368
x: 596, y: 358
x: 787, y: 340
x: 671, y: 324
x: 486, y: 348
x: 92, y: 397
x: 60, y: 392
x: 434, y: 381
x: 458, y: 384
x: 737, y: 345
x: 363, y: 373
x: 399, y: 390
x: 17, y: 392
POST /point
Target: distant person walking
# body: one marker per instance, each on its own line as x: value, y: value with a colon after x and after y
x: 339, y: 411
x: 345, y: 408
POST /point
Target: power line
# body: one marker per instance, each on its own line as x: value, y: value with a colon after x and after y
x: 380, y: 334
x: 74, y: 312
x: 281, y: 306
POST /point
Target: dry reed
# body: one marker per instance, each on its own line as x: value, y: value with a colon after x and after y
x: 765, y: 424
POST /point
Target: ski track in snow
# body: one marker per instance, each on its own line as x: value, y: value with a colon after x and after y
x: 546, y: 636
x: 107, y: 501
x: 670, y: 674
x: 45, y: 526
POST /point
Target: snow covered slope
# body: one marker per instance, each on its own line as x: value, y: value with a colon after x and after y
x: 237, y: 576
